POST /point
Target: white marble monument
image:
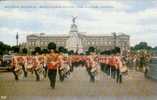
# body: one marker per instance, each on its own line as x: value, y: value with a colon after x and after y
x: 74, y: 42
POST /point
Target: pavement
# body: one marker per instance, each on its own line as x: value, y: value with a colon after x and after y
x: 134, y: 85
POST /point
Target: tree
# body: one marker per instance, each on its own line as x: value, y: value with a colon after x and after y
x: 142, y: 45
x: 132, y: 48
x: 4, y: 48
x: 1, y: 48
x: 15, y: 49
x: 155, y: 48
x: 24, y: 50
x: 51, y: 45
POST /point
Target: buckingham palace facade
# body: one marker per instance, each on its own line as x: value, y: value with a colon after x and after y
x: 80, y: 41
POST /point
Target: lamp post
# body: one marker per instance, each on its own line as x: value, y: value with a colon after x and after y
x: 17, y: 39
x: 115, y: 37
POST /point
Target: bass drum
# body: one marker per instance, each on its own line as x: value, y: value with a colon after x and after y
x: 19, y: 72
x: 65, y: 69
x: 29, y: 66
x: 40, y: 71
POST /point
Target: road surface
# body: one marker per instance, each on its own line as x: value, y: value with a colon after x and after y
x: 134, y: 84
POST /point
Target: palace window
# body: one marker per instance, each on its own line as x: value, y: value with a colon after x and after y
x: 33, y: 43
x: 92, y: 42
x: 105, y: 43
x: 41, y: 43
x: 88, y: 43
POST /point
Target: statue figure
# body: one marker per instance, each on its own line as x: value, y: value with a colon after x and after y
x: 74, y: 18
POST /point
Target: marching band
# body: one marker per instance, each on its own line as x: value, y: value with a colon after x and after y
x: 53, y: 62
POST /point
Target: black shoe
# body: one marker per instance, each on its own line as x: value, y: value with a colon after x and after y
x: 52, y: 87
x: 16, y: 79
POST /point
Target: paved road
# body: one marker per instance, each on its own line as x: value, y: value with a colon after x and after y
x: 134, y: 84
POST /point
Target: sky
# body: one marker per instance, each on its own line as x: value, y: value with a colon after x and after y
x: 137, y: 18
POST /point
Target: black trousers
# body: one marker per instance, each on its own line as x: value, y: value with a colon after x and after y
x: 102, y: 67
x: 92, y: 77
x: 119, y: 76
x: 61, y: 76
x: 45, y: 71
x: 113, y: 72
x: 72, y: 67
x: 24, y: 70
x: 52, y: 77
x: 91, y: 74
x: 88, y: 70
x: 107, y: 69
x: 37, y: 75
x: 14, y: 73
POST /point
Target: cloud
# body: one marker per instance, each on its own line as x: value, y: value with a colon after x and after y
x: 139, y: 22
x: 9, y: 35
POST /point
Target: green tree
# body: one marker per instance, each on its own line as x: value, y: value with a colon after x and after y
x: 1, y: 48
x: 4, y: 48
x: 15, y: 49
x: 142, y: 45
x: 155, y: 48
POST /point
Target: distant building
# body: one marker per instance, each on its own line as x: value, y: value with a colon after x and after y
x: 79, y: 41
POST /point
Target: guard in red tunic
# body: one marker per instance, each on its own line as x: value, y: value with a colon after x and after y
x: 61, y: 66
x: 118, y: 65
x: 21, y: 62
x: 45, y: 64
x: 36, y: 65
x: 87, y: 63
x: 113, y: 66
x: 53, y: 64
x: 29, y: 63
x: 14, y: 65
x: 71, y: 63
x: 102, y: 61
x: 92, y: 66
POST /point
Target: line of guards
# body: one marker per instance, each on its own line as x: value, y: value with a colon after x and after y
x: 50, y: 64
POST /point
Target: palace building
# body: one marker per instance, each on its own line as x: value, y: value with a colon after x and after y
x: 79, y: 41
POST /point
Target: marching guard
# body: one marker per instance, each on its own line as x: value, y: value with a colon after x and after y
x: 14, y: 67
x: 93, y: 70
x: 53, y: 64
x: 61, y: 67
